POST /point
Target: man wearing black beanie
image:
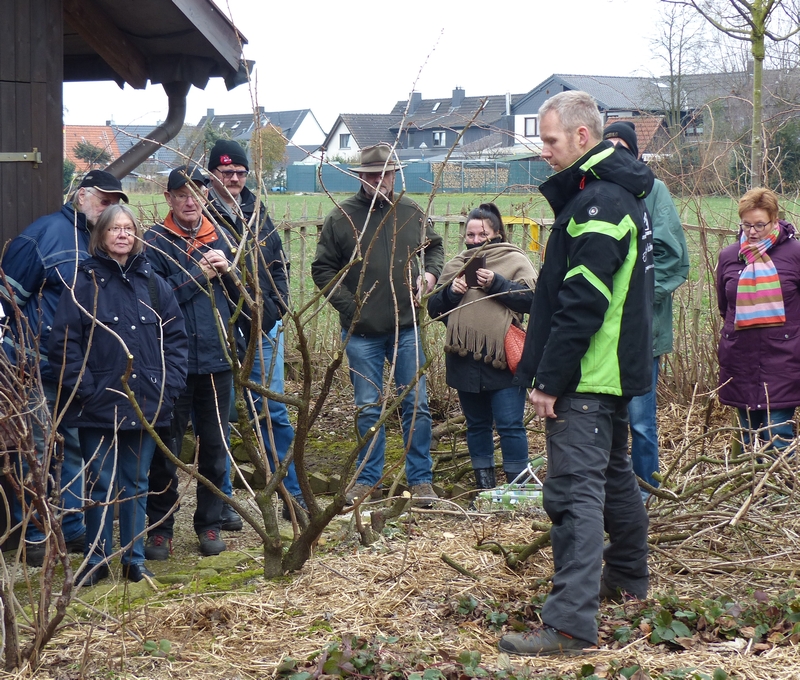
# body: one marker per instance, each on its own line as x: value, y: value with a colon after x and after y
x: 233, y: 206
x: 671, y: 260
x: 626, y: 131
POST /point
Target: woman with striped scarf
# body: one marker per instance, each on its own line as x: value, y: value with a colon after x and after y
x: 758, y: 291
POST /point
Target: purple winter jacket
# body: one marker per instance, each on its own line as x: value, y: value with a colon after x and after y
x: 762, y: 364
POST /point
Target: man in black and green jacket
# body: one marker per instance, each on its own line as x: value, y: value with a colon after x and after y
x: 375, y: 257
x: 587, y: 352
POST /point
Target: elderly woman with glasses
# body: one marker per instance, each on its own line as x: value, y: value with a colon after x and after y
x: 758, y: 291
x: 117, y: 320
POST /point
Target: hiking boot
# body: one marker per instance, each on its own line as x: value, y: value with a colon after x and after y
x: 485, y: 478
x: 286, y: 514
x: 158, y: 547
x: 136, y: 572
x: 231, y: 521
x: 615, y: 595
x: 77, y: 544
x: 210, y: 542
x: 423, y: 495
x: 358, y: 492
x: 91, y: 574
x: 542, y: 642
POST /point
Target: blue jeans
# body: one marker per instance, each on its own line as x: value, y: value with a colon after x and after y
x: 270, y: 362
x: 71, y: 474
x: 131, y: 453
x: 775, y: 423
x: 644, y: 434
x: 367, y: 355
x: 590, y: 490
x: 504, y: 409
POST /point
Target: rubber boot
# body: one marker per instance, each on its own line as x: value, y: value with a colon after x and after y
x: 484, y: 479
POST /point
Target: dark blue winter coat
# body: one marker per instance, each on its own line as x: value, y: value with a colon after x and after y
x: 40, y: 260
x: 115, y: 306
x: 269, y: 260
x: 174, y: 259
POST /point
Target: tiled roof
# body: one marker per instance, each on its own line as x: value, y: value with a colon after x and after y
x: 188, y: 142
x: 440, y: 113
x: 100, y: 136
x: 646, y: 128
x: 615, y: 92
x: 242, y: 124
x: 369, y: 128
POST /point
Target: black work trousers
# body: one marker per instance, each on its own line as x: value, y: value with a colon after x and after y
x: 591, y: 489
x: 206, y: 400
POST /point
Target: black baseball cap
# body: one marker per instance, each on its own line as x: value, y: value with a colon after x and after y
x: 105, y: 182
x: 178, y: 177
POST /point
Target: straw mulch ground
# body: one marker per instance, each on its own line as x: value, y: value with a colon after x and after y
x: 401, y: 596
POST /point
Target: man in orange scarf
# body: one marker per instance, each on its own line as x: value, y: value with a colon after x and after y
x: 194, y: 256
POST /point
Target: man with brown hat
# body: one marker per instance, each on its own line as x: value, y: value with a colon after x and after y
x: 369, y: 238
x: 37, y: 265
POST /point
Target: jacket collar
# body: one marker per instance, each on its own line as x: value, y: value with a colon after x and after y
x: 603, y: 162
x: 75, y: 217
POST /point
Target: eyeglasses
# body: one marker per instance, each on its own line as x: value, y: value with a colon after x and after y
x: 182, y: 198
x: 128, y: 231
x: 104, y: 199
x: 758, y: 226
x: 230, y: 174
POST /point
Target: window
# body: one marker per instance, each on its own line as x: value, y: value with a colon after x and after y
x: 344, y: 141
x: 532, y: 127
x: 439, y: 138
x: 435, y: 107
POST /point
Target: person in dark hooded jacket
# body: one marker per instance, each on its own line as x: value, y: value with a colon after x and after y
x: 119, y: 311
x: 587, y: 352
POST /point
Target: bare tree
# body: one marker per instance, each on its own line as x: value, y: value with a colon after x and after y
x: 753, y: 22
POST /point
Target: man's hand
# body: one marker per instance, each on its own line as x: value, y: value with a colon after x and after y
x: 542, y: 403
x: 425, y: 285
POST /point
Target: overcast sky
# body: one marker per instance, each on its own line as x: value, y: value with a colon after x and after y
x: 339, y: 57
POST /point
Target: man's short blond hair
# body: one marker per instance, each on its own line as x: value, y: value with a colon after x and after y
x: 575, y: 109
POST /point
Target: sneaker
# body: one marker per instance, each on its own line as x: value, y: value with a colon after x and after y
x: 424, y: 495
x: 210, y: 542
x: 231, y: 521
x: 136, y: 572
x: 358, y: 492
x: 91, y: 574
x: 34, y: 554
x: 77, y: 545
x: 286, y: 514
x: 542, y: 642
x: 158, y: 547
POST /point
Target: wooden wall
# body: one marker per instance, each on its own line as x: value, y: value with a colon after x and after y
x: 31, y: 74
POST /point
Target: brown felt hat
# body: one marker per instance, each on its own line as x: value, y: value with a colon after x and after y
x: 376, y: 158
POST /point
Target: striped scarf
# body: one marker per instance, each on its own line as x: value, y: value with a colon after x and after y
x: 759, y: 300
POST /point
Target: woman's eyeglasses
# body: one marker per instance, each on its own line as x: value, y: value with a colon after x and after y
x: 758, y: 226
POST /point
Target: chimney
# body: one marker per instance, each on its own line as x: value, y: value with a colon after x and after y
x: 260, y: 109
x: 415, y: 99
x: 458, y: 97
x: 508, y: 103
x: 209, y: 114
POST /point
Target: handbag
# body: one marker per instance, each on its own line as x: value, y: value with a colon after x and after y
x: 513, y: 343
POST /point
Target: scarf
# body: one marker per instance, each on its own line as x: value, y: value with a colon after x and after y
x: 479, y: 324
x: 759, y: 300
x: 204, y: 234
